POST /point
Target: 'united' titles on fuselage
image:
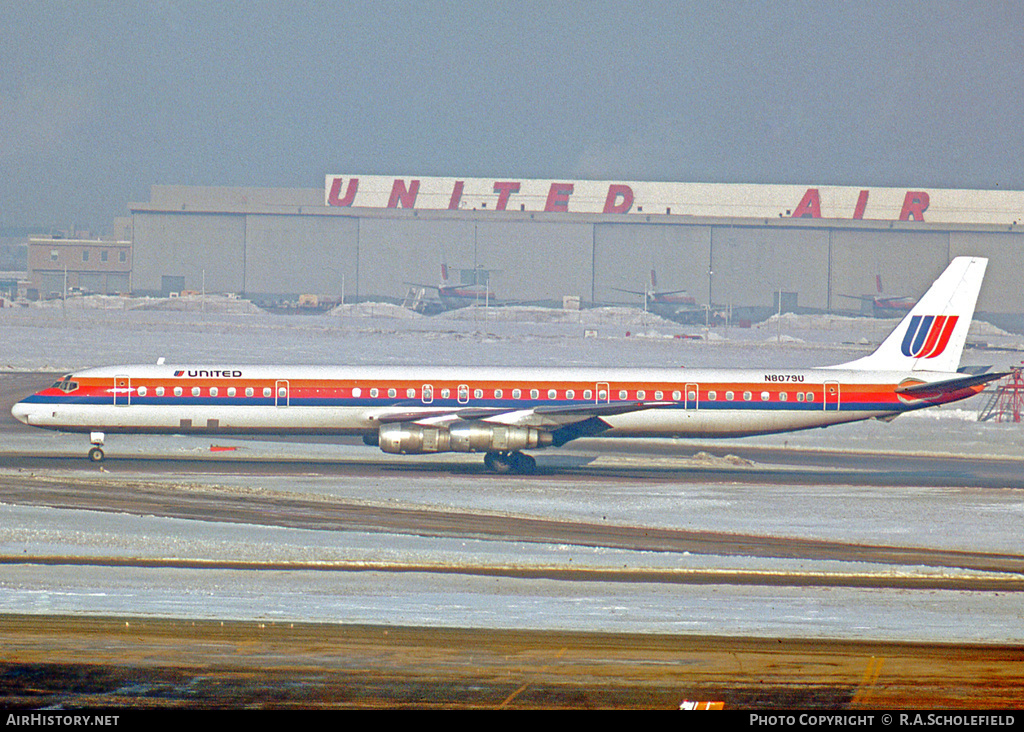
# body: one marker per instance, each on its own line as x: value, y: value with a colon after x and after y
x: 502, y: 411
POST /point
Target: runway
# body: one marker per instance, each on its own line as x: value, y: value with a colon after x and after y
x: 81, y: 487
x: 623, y: 575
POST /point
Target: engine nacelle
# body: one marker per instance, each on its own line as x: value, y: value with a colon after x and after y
x: 413, y: 439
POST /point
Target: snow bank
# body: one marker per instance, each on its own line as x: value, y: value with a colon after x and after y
x: 538, y: 314
x: 197, y: 303
x: 373, y: 310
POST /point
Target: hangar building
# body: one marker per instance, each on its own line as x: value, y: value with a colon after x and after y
x: 368, y: 237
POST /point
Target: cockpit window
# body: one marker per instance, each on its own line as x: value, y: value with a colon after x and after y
x: 66, y: 384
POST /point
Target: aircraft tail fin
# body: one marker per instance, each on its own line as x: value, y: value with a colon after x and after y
x: 932, y: 335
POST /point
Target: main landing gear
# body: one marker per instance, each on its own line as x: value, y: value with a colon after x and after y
x: 510, y: 462
x: 96, y: 451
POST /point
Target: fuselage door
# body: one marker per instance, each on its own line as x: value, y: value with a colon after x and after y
x: 282, y: 393
x: 831, y: 397
x: 427, y: 394
x: 122, y: 390
x: 463, y: 393
x: 692, y: 391
x: 602, y: 394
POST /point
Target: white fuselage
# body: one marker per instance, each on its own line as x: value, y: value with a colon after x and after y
x: 356, y: 400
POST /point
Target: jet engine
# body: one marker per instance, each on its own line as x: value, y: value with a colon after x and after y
x: 413, y: 439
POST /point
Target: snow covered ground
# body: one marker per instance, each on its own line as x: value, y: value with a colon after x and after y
x: 98, y: 330
x: 66, y: 338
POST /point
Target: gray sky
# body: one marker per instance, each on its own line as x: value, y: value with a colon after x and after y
x: 101, y: 100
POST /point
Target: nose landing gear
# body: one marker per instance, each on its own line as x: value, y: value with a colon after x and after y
x: 96, y: 451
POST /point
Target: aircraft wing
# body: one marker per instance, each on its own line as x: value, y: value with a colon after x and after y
x: 863, y: 298
x: 554, y: 418
x: 441, y: 415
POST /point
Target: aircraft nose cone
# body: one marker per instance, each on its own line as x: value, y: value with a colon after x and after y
x: 20, y: 411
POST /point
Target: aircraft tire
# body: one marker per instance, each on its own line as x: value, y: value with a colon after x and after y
x: 522, y: 463
x: 96, y: 455
x: 499, y: 462
x: 510, y: 462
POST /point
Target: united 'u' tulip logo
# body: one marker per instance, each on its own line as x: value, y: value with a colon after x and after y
x: 928, y: 335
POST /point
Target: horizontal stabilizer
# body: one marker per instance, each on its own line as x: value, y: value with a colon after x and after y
x: 949, y: 385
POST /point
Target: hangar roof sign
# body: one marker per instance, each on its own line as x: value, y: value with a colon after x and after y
x: 936, y: 205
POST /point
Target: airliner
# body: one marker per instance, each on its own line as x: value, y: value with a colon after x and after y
x: 892, y: 306
x: 502, y: 412
x: 678, y: 305
x: 467, y: 294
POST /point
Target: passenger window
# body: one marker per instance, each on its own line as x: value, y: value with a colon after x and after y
x: 410, y: 393
x: 248, y: 391
x: 392, y: 393
x: 729, y: 396
x: 534, y: 394
x: 266, y: 391
x: 676, y: 396
x: 658, y: 396
x: 498, y: 393
x: 374, y: 392
x: 142, y: 391
x: 587, y: 394
x: 195, y: 391
x: 357, y: 392
x: 712, y: 395
x: 810, y: 396
x: 691, y: 396
x: 446, y: 393
x: 177, y: 391
x: 213, y: 391
x: 783, y: 396
x: 478, y: 394
x: 159, y: 391
x: 517, y: 394
x: 570, y: 394
x: 765, y: 396
x: 231, y: 391
x: 746, y: 396
x: 552, y: 394
x: 623, y: 394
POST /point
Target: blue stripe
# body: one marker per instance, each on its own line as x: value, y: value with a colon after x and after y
x: 704, y: 405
